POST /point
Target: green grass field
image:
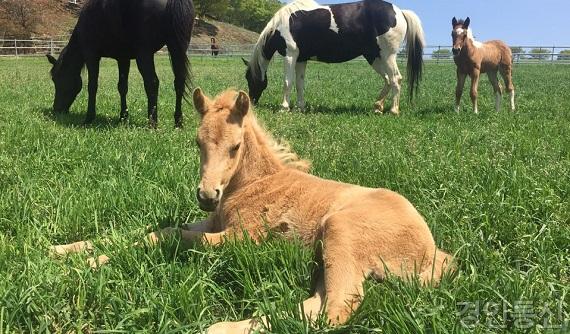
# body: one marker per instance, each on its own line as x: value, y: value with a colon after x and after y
x: 494, y: 189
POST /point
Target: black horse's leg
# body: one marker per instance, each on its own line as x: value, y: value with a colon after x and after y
x: 180, y: 73
x: 93, y: 72
x: 123, y: 86
x: 145, y: 63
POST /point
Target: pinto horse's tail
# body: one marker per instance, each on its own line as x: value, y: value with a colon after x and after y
x: 181, y: 14
x: 415, y: 45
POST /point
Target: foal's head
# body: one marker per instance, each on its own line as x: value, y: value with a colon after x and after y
x: 256, y: 81
x: 67, y: 85
x: 459, y: 34
x: 220, y: 138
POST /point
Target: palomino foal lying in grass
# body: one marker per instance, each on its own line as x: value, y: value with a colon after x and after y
x: 251, y: 183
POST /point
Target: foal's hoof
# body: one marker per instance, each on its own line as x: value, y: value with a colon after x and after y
x: 97, y: 262
x: 283, y: 109
x: 152, y: 125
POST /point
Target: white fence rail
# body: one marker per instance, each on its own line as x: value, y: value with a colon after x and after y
x: 437, y: 53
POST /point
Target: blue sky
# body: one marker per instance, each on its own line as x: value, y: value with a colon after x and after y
x: 522, y: 22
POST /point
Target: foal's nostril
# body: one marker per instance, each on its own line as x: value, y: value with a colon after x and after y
x: 217, y: 193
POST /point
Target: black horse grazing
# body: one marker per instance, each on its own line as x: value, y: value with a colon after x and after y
x: 125, y: 30
x: 304, y: 30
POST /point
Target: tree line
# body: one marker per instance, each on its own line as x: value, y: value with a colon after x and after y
x: 250, y: 14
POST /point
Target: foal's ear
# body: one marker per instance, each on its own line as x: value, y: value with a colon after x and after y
x: 245, y: 62
x: 200, y: 101
x: 454, y: 22
x: 51, y: 59
x: 467, y: 21
x: 241, y: 106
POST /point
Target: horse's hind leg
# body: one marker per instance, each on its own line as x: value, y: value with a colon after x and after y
x: 344, y: 275
x: 310, y: 308
x: 395, y: 80
x: 379, y: 67
x: 145, y: 64
x: 496, y: 88
x: 123, y: 86
x: 300, y: 84
x: 507, y: 74
x: 178, y: 59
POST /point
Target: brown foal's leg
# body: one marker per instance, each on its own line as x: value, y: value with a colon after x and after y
x: 474, y: 87
x: 459, y: 88
x: 496, y: 88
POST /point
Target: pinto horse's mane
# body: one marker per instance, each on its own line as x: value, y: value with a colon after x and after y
x: 278, y: 20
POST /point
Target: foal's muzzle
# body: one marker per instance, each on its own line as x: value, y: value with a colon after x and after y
x: 208, y: 200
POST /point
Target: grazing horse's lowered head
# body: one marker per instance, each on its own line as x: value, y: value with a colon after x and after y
x: 459, y: 34
x: 256, y: 80
x: 68, y: 84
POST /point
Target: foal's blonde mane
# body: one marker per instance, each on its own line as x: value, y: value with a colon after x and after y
x: 280, y: 148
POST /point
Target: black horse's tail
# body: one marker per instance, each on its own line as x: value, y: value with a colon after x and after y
x: 181, y: 14
x: 415, y: 45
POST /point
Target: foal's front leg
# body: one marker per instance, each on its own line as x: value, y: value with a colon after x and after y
x: 459, y: 89
x: 93, y: 72
x: 474, y: 87
x: 188, y: 236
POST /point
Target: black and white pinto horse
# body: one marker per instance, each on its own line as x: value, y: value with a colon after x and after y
x: 304, y: 30
x: 125, y: 30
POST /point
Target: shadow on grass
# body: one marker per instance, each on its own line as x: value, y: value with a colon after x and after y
x: 436, y: 109
x: 322, y: 109
x: 77, y: 120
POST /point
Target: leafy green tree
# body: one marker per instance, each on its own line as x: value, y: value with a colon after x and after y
x: 441, y: 54
x: 213, y: 8
x: 564, y: 55
x: 539, y: 54
x: 251, y: 14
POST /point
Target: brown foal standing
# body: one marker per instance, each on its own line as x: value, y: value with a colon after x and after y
x: 473, y: 58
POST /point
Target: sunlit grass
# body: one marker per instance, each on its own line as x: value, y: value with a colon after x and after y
x: 494, y: 189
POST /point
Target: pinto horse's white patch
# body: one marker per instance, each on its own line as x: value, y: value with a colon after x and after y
x: 334, y: 26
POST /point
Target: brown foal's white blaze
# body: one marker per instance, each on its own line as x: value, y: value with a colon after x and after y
x: 220, y: 146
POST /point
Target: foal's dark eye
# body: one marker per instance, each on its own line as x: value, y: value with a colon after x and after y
x: 235, y: 148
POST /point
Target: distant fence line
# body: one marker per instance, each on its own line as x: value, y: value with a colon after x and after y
x: 437, y: 53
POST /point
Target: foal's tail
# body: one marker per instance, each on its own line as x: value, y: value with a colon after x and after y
x: 181, y: 14
x: 415, y: 45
